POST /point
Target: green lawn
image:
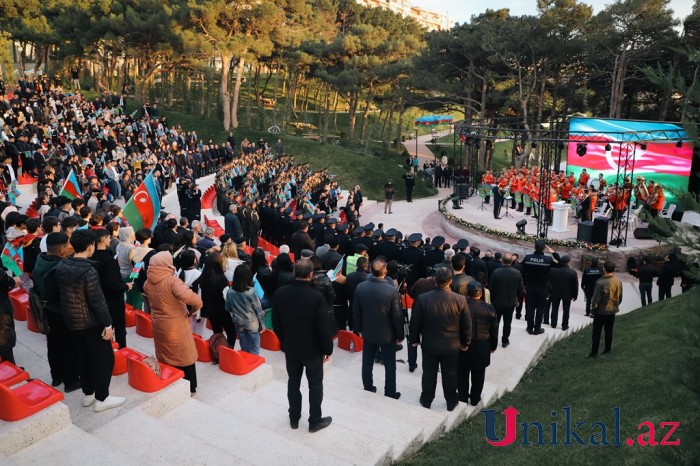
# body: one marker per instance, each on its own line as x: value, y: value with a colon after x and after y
x: 350, y: 167
x: 652, y: 375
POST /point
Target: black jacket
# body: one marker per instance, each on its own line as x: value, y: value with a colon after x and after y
x: 484, y: 334
x: 82, y: 302
x: 232, y: 226
x: 377, y: 311
x: 300, y: 320
x: 300, y: 240
x: 506, y: 287
x: 353, y: 279
x: 646, y: 273
x: 440, y: 322
x: 111, y: 281
x: 563, y: 283
x: 536, y: 268
x: 45, y: 282
x: 590, y: 276
x: 460, y: 281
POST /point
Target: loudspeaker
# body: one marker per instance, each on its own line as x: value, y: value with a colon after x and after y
x: 585, y: 232
x: 463, y: 190
x: 600, y: 230
x: 642, y: 233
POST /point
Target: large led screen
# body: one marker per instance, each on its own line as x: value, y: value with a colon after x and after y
x: 654, y: 146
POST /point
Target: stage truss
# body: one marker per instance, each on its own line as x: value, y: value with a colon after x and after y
x: 472, y: 136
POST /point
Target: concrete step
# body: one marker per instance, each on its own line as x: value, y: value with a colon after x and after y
x: 244, y: 439
x: 71, y: 446
x: 16, y: 436
x: 164, y: 445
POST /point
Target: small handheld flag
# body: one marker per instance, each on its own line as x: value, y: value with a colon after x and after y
x: 13, y: 259
x: 143, y: 208
x: 71, y: 187
x: 333, y: 274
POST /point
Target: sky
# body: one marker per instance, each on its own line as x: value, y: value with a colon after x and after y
x: 459, y: 11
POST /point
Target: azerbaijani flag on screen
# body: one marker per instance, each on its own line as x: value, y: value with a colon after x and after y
x: 13, y: 259
x: 333, y: 274
x: 143, y: 208
x: 71, y: 188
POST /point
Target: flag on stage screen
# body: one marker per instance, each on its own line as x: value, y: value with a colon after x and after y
x: 333, y: 274
x: 71, y: 188
x: 13, y: 259
x: 143, y: 208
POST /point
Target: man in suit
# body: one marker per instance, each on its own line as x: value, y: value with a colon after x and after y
x: 300, y: 319
x: 474, y: 361
x: 378, y: 318
x: 460, y: 280
x: 563, y: 287
x: 301, y: 240
x: 441, y: 325
x: 507, y: 289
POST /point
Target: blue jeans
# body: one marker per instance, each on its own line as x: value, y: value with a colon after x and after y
x: 250, y: 341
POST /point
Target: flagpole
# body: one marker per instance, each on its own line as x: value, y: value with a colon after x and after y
x: 65, y: 182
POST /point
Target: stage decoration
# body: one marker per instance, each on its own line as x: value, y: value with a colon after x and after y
x: 434, y: 120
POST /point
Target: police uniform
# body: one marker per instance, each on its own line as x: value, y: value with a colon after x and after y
x: 535, y: 271
x: 590, y: 276
x: 415, y: 258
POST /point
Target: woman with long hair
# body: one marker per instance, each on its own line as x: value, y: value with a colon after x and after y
x: 282, y: 273
x: 244, y: 305
x: 231, y: 260
x: 212, y: 284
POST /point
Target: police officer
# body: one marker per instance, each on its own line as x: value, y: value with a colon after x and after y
x: 536, y: 268
x: 389, y: 248
x: 194, y: 202
x: 436, y: 254
x: 253, y: 224
x: 343, y: 240
x: 590, y: 276
x: 414, y: 257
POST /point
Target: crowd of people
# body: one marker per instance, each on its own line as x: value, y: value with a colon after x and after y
x: 522, y: 188
x: 332, y: 273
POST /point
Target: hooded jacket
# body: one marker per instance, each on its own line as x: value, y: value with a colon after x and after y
x: 169, y: 297
x: 45, y: 282
x: 82, y: 302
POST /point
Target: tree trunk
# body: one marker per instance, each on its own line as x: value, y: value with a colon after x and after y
x: 224, y: 94
x: 275, y: 96
x: 248, y: 113
x: 399, y: 127
x: 326, y: 113
x: 365, y: 113
x: 237, y: 93
x: 143, y: 82
x: 618, y: 84
x: 352, y: 113
x: 335, y: 111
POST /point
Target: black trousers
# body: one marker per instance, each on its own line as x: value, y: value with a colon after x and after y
x: 497, y: 203
x: 341, y: 316
x: 224, y: 323
x: 95, y: 361
x: 409, y: 194
x: 7, y: 354
x: 470, y: 371
x: 664, y: 292
x: 507, y: 314
x: 589, y: 297
x: 190, y: 375
x: 601, y: 322
x: 535, y: 307
x: 314, y: 375
x: 448, y: 370
x: 388, y: 350
x: 566, y: 306
x: 116, y: 310
x: 59, y: 343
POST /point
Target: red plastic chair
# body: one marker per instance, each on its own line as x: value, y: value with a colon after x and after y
x: 344, y: 339
x: 269, y: 341
x: 238, y: 362
x: 31, y: 323
x: 144, y: 324
x: 26, y: 400
x: 203, y: 351
x: 142, y: 378
x: 11, y: 375
x: 208, y: 324
x: 129, y: 316
x: 20, y: 303
x: 115, y: 345
x: 120, y: 358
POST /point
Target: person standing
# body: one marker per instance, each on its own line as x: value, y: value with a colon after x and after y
x: 169, y: 298
x: 536, y: 268
x: 378, y: 318
x: 441, y: 325
x: 646, y: 274
x: 607, y: 297
x: 89, y: 322
x: 667, y: 275
x: 244, y: 305
x: 497, y: 201
x: 588, y: 281
x: 112, y: 284
x: 507, y: 289
x: 563, y: 288
x: 410, y: 184
x: 388, y: 196
x: 474, y: 361
x: 8, y: 337
x: 300, y: 320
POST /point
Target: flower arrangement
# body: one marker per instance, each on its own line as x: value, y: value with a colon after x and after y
x: 517, y: 236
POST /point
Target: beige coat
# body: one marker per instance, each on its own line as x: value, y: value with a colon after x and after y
x: 169, y: 297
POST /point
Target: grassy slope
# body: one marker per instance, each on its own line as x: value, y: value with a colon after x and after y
x: 351, y: 167
x: 649, y: 375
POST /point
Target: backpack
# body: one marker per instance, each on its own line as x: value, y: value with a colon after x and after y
x: 38, y: 309
x: 216, y: 340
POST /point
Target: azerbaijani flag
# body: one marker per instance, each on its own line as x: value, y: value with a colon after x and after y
x: 258, y: 288
x: 143, y: 208
x: 333, y: 274
x: 13, y: 259
x: 71, y: 188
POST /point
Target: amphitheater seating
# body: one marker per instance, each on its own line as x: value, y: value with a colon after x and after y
x: 120, y: 358
x: 144, y: 324
x: 142, y: 377
x: 130, y: 315
x: 27, y: 399
x: 203, y: 351
x: 218, y: 230
x: 208, y: 198
x: 344, y: 339
x: 11, y: 375
x: 269, y: 341
x: 20, y: 303
x: 238, y: 362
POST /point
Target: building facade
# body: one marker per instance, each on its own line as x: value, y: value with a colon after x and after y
x: 430, y: 20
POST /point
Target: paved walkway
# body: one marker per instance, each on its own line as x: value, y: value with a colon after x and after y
x: 243, y: 420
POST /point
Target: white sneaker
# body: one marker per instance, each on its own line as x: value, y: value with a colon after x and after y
x: 109, y: 403
x: 88, y: 400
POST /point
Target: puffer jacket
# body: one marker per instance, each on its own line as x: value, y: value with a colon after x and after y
x: 169, y: 297
x: 441, y: 322
x: 83, y: 304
